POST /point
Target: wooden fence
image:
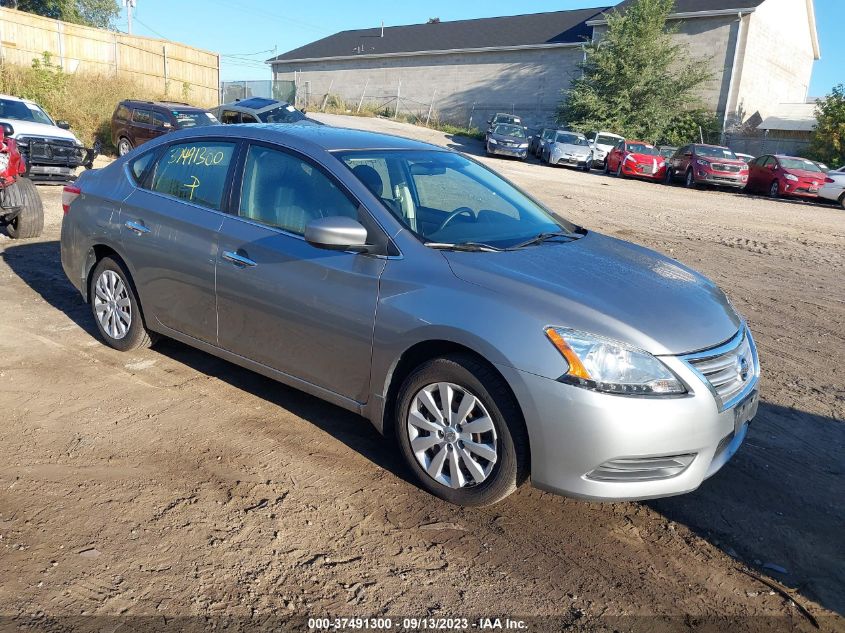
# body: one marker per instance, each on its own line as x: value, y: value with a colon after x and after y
x: 183, y: 73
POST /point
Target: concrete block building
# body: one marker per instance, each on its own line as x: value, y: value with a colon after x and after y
x: 761, y: 53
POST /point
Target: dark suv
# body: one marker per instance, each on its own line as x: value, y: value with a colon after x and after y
x: 136, y: 122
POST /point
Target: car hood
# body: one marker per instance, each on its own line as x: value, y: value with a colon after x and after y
x: 581, y: 150
x: 723, y: 161
x: 30, y: 128
x: 808, y: 175
x: 511, y: 139
x: 646, y: 158
x: 608, y: 287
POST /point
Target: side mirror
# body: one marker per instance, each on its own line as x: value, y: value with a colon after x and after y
x: 8, y: 130
x: 337, y: 233
x: 687, y: 154
x: 167, y: 125
x: 63, y: 124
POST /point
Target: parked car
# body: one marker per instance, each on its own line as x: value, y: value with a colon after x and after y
x: 785, y: 176
x: 569, y: 149
x: 600, y: 145
x: 507, y: 140
x: 666, y: 151
x: 136, y: 122
x: 822, y: 166
x: 545, y: 136
x: 834, y: 187
x: 502, y: 117
x: 699, y: 164
x: 637, y: 159
x: 412, y: 285
x: 49, y: 149
x: 261, y: 110
x: 21, y: 211
x: 746, y: 157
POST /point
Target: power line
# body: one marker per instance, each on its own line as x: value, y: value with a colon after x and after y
x: 229, y: 4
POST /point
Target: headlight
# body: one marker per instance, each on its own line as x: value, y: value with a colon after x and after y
x: 703, y: 163
x: 523, y: 145
x: 493, y: 141
x: 611, y: 366
x: 631, y: 158
x: 791, y: 177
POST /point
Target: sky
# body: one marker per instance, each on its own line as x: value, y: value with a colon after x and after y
x: 247, y: 32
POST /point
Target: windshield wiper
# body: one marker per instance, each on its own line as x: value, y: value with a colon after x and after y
x: 543, y: 237
x: 473, y: 247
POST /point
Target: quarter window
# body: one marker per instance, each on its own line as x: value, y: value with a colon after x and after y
x: 194, y: 172
x: 284, y: 191
x: 140, y: 164
x: 123, y: 113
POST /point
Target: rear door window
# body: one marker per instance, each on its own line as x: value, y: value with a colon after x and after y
x: 142, y: 116
x: 194, y: 172
x: 159, y: 120
x: 230, y: 116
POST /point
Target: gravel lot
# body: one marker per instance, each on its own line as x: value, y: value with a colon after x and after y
x: 168, y: 483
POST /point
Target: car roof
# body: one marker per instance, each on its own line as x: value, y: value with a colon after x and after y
x: 168, y: 105
x: 713, y: 146
x: 316, y: 136
x: 14, y: 98
x: 255, y: 104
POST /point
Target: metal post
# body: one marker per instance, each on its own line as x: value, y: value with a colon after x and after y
x: 164, y: 55
x: 361, y: 101
x: 430, y: 107
x: 326, y: 98
x: 398, y: 96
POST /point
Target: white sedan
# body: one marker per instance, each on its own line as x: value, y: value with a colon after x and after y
x: 834, y: 187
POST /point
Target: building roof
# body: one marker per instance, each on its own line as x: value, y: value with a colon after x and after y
x: 791, y: 117
x: 698, y: 6
x: 532, y: 30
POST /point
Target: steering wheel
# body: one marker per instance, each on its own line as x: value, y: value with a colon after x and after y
x: 454, y: 214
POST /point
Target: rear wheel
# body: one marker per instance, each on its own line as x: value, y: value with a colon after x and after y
x: 774, y: 189
x: 842, y: 201
x: 124, y: 146
x: 29, y: 222
x: 461, y: 432
x: 115, y: 307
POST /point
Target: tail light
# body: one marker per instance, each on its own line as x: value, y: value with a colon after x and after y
x: 829, y: 180
x: 69, y: 194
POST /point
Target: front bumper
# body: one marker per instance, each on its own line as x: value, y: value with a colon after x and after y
x: 738, y: 180
x: 569, y: 161
x: 640, y: 170
x: 578, y: 436
x: 499, y: 150
x: 51, y: 159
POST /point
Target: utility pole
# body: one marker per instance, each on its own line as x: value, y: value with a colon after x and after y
x: 129, y: 4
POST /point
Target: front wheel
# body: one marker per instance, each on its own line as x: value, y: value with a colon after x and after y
x: 461, y: 431
x: 115, y: 307
x: 774, y: 189
x: 619, y: 173
x: 668, y: 178
x: 690, y: 180
x: 29, y: 222
x: 124, y: 146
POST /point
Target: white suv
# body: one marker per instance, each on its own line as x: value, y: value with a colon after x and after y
x: 600, y: 144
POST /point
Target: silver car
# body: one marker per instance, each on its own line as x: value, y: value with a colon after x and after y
x: 834, y: 187
x: 569, y: 149
x: 421, y: 290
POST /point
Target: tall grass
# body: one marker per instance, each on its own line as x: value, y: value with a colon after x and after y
x: 86, y: 101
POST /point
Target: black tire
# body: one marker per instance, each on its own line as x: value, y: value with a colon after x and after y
x: 619, y: 173
x: 137, y: 336
x: 124, y: 146
x: 30, y: 219
x: 774, y: 189
x: 842, y: 201
x: 669, y: 179
x: 512, y: 463
x: 606, y: 167
x: 689, y: 181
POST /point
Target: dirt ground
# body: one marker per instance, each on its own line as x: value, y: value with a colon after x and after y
x: 143, y: 487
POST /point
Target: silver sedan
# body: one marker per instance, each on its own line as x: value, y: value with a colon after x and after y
x: 421, y: 290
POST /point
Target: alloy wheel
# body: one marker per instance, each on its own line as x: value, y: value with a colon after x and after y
x: 123, y: 147
x: 774, y: 189
x: 112, y: 304
x: 452, y: 435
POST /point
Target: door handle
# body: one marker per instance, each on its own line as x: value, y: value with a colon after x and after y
x: 239, y: 260
x: 139, y: 228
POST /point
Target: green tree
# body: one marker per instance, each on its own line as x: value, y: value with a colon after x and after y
x: 99, y: 13
x: 637, y: 78
x: 827, y: 144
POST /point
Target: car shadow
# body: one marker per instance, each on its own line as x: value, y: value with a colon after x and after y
x: 777, y: 506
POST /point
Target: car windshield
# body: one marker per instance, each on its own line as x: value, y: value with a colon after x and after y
x: 22, y: 111
x: 642, y: 148
x: 447, y: 199
x: 570, y: 139
x: 666, y: 152
x: 715, y: 152
x: 506, y: 118
x: 504, y: 129
x: 603, y: 139
x: 194, y: 118
x: 799, y: 163
x: 283, y: 114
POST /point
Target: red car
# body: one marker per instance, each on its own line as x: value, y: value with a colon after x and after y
x: 785, y: 176
x: 699, y: 164
x: 636, y: 158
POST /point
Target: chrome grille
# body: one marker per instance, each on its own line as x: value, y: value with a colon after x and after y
x: 729, y: 369
x: 728, y: 168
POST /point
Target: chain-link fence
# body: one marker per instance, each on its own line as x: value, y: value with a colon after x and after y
x: 267, y: 88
